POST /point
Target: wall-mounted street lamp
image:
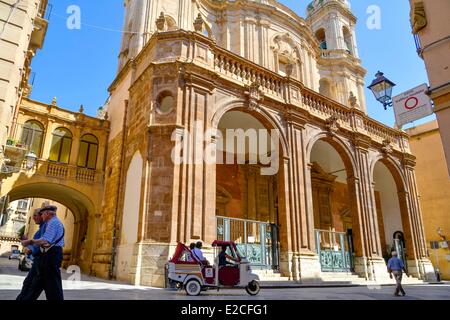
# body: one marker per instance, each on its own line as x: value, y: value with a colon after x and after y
x: 382, y: 89
x: 30, y: 160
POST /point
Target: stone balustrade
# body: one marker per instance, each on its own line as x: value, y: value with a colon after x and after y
x: 64, y: 171
x: 288, y: 90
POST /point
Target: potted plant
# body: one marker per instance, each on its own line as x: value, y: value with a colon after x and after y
x: 10, y: 142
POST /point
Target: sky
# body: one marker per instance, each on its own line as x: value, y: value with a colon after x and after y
x: 77, y: 65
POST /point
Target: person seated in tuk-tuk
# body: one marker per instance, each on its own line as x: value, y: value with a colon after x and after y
x: 223, y: 256
x: 197, y: 252
x: 191, y: 247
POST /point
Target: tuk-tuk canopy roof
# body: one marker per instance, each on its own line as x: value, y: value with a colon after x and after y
x: 181, y: 247
x: 219, y: 243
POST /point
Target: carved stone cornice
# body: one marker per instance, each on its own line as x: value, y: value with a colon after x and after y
x: 408, y: 160
x: 362, y: 142
x: 418, y: 16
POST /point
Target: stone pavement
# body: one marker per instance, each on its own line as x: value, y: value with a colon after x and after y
x: 90, y: 288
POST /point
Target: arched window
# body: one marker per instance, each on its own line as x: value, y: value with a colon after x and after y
x: 348, y: 39
x: 321, y: 37
x: 61, y: 145
x: 32, y: 136
x: 87, y: 156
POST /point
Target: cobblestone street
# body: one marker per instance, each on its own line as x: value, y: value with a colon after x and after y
x: 90, y: 288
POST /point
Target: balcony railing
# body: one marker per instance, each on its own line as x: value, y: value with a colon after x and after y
x: 66, y: 172
x: 418, y: 45
x: 45, y: 10
x: 289, y: 90
x: 273, y: 85
x: 9, y: 235
x: 23, y: 143
x: 337, y: 54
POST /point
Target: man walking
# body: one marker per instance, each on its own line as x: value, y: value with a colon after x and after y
x: 396, y: 266
x: 34, y: 251
x: 48, y: 276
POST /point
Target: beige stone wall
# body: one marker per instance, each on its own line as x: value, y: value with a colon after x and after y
x: 430, y: 22
x: 434, y: 189
x: 22, y: 32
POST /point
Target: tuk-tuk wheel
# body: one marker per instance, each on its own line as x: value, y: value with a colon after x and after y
x: 193, y: 287
x: 253, y: 288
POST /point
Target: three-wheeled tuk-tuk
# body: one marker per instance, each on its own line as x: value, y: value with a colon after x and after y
x: 230, y: 270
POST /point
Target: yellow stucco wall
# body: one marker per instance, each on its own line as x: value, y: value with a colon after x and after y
x: 434, y: 189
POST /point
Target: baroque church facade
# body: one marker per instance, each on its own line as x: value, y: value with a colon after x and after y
x: 343, y: 195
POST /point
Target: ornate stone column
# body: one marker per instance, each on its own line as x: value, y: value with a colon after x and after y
x: 369, y: 261
x: 419, y: 264
x: 288, y: 267
x: 48, y: 137
x: 301, y: 210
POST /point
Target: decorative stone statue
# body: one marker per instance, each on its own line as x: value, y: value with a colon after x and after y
x: 198, y: 23
x: 352, y: 100
x: 161, y: 22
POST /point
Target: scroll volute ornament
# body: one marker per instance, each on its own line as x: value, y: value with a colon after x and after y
x: 387, y: 146
x: 255, y: 95
x: 332, y: 124
x: 418, y: 16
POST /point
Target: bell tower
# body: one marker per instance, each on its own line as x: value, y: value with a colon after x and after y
x: 145, y: 17
x: 341, y: 73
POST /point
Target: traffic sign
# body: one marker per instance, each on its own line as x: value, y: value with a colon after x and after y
x: 412, y: 105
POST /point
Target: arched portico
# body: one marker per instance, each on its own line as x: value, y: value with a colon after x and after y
x: 247, y: 206
x: 398, y: 217
x: 81, y: 206
x: 339, y: 237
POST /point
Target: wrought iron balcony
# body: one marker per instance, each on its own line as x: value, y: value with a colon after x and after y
x: 40, y: 25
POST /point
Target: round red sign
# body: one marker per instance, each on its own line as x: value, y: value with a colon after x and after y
x: 411, y: 103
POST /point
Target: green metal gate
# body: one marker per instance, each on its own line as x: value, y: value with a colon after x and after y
x: 334, y: 251
x: 258, y: 241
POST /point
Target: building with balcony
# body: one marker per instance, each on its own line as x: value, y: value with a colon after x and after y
x: 23, y: 26
x: 431, y: 28
x: 69, y: 168
x: 12, y: 223
x: 431, y: 141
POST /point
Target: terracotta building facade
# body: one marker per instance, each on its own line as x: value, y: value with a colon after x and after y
x: 344, y: 193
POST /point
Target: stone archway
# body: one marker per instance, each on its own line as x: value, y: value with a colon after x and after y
x: 83, y: 211
x: 392, y: 211
x: 336, y: 220
x: 247, y: 195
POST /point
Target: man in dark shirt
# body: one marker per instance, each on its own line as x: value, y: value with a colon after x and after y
x: 396, y: 266
x: 33, y: 251
x: 223, y: 257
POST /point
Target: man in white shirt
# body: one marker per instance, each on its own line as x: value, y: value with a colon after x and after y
x: 198, y: 253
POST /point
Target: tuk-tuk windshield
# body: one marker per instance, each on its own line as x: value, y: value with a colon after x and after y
x: 240, y: 251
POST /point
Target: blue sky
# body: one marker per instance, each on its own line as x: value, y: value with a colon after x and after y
x: 77, y: 66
